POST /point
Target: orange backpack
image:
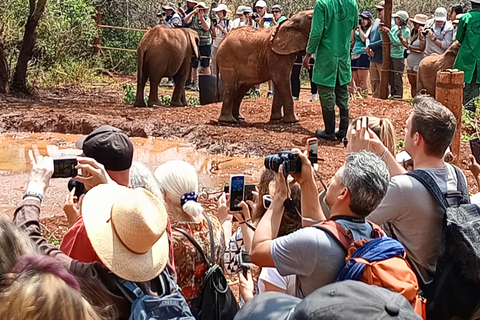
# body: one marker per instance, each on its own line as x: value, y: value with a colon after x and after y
x: 378, y: 261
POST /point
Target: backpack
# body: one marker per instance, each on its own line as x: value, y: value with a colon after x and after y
x: 170, y: 305
x: 455, y: 288
x: 379, y: 261
x: 215, y: 299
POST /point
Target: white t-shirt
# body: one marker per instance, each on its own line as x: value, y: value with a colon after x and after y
x: 272, y: 276
x: 221, y: 30
x: 238, y: 23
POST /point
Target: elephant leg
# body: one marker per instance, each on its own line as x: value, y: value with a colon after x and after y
x: 283, y: 97
x: 239, y: 94
x: 139, y: 99
x: 227, y: 105
x: 153, y: 97
x: 178, y: 96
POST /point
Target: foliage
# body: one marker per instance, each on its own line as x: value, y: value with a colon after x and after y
x: 469, y: 118
x: 129, y: 93
x: 400, y: 144
x: 193, y: 101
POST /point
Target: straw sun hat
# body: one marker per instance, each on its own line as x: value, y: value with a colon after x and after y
x: 127, y: 229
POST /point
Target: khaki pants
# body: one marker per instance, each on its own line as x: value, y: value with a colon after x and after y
x: 375, y: 71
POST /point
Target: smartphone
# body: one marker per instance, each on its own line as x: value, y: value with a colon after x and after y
x: 79, y: 187
x: 64, y: 168
x: 249, y: 188
x: 312, y: 147
x: 237, y: 191
x: 475, y: 147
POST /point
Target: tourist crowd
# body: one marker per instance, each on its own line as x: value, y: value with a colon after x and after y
x: 133, y: 233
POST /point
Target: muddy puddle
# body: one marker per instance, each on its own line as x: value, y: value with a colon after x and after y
x: 213, y: 170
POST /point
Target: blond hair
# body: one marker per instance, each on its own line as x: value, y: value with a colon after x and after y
x: 37, y: 295
x: 385, y: 131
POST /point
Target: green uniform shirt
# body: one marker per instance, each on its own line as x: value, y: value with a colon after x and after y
x: 468, y: 34
x: 332, y: 25
x: 205, y: 35
x: 396, y: 47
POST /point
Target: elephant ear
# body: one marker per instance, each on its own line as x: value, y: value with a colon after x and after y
x: 194, y: 41
x: 291, y: 35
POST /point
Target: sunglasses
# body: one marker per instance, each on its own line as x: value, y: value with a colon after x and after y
x: 267, y: 200
x: 276, y: 11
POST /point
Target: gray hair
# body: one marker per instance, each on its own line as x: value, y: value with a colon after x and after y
x: 367, y: 178
x: 14, y: 243
x: 142, y: 177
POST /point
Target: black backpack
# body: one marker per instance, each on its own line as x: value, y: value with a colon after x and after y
x: 454, y: 291
x: 215, y: 300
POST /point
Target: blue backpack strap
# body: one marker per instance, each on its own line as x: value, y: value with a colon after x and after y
x: 129, y: 289
x: 431, y: 185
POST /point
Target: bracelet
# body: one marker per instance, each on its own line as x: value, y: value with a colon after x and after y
x: 384, y: 154
x: 33, y: 194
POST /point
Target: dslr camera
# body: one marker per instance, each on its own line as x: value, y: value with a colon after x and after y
x: 254, y: 15
x: 290, y: 160
x: 425, y: 31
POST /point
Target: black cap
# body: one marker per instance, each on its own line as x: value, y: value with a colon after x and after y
x: 108, y: 145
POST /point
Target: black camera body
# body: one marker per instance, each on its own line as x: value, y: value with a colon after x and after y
x: 290, y: 160
x: 425, y: 31
x: 255, y: 15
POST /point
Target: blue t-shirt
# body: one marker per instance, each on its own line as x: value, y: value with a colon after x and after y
x: 183, y: 19
x: 359, y: 45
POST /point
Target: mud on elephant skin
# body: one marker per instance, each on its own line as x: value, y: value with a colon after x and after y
x: 249, y: 56
x: 165, y: 52
x: 429, y: 66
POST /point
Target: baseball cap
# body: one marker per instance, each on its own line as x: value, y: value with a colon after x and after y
x: 441, y: 14
x: 109, y: 146
x: 380, y: 5
x: 260, y: 4
x: 366, y: 15
x: 278, y: 7
x: 240, y: 10
x: 247, y: 10
x: 403, y: 15
x: 344, y: 300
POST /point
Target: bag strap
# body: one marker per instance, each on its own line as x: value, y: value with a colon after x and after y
x: 211, y: 261
x: 377, y: 232
x: 461, y: 185
x: 334, y: 229
x: 431, y: 185
x: 129, y: 289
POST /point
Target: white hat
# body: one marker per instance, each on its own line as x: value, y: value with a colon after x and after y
x: 403, y: 15
x: 221, y: 7
x: 201, y: 5
x: 441, y: 14
x: 457, y: 18
x: 192, y: 1
x: 240, y: 10
x: 127, y: 229
x: 260, y: 4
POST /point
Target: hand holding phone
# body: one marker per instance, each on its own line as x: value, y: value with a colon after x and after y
x: 64, y: 168
x: 312, y: 150
x: 475, y: 147
x: 237, y: 191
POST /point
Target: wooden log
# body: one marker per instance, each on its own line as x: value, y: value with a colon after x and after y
x: 98, y: 40
x: 385, y: 73
x: 449, y: 92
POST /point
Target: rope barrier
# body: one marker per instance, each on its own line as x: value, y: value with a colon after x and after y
x: 121, y: 28
x: 111, y: 48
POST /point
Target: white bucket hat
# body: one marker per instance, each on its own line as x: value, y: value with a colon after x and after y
x: 221, y: 7
x: 441, y: 14
x: 127, y: 229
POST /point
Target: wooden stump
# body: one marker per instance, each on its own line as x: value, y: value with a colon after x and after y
x: 98, y: 40
x: 449, y: 92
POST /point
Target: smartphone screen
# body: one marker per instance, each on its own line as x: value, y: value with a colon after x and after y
x: 475, y: 147
x: 249, y: 188
x: 312, y: 147
x: 64, y: 168
x: 237, y: 189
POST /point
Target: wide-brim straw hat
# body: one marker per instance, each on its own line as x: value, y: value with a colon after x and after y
x: 420, y: 19
x: 201, y: 5
x: 127, y: 229
x: 169, y: 6
x: 221, y: 7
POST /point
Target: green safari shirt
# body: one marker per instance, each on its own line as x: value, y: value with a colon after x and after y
x: 332, y: 25
x: 468, y: 34
x: 205, y: 35
x: 396, y: 47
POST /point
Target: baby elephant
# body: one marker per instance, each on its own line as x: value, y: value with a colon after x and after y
x: 429, y: 66
x: 165, y: 52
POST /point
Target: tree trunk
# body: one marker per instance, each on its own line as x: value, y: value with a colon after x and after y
x: 19, y: 82
x: 4, y: 71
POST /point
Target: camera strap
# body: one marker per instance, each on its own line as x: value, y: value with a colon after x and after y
x: 290, y: 205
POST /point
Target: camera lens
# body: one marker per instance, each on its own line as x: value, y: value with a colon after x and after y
x: 272, y: 162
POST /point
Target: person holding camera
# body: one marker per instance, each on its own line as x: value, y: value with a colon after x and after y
x: 438, y: 33
x: 397, y: 34
x: 199, y: 21
x: 277, y: 14
x: 248, y: 14
x: 468, y: 58
x: 221, y: 28
x: 172, y: 18
x: 312, y: 254
x: 360, y: 62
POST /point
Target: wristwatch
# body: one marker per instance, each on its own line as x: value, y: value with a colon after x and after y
x: 33, y: 194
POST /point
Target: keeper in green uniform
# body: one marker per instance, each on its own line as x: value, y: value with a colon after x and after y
x: 332, y: 25
x: 468, y: 58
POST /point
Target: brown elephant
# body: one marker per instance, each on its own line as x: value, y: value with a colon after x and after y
x: 249, y: 56
x: 429, y: 66
x: 165, y: 52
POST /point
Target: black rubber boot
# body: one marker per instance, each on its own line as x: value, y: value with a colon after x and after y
x: 344, y: 122
x: 329, y: 120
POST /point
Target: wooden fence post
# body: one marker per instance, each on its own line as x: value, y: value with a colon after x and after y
x: 449, y: 92
x: 385, y: 73
x: 98, y: 40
